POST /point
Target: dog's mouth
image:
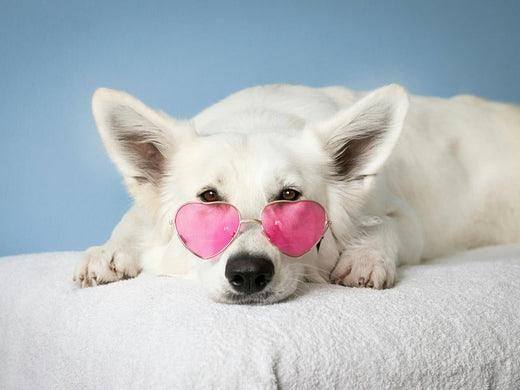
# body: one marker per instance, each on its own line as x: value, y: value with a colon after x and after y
x: 259, y: 298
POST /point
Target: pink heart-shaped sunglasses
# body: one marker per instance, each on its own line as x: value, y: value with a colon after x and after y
x: 294, y: 227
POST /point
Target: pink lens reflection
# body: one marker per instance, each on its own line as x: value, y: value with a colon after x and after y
x: 294, y: 227
x: 207, y: 228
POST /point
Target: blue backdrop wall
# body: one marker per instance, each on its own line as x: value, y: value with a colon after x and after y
x: 59, y: 191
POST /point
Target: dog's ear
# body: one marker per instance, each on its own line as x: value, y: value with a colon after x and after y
x: 137, y: 138
x: 360, y: 138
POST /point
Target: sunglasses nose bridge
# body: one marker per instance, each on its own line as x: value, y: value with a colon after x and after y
x: 250, y: 221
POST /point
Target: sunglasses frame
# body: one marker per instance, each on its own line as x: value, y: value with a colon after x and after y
x: 249, y: 220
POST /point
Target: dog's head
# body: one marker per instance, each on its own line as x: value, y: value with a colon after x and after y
x: 259, y: 158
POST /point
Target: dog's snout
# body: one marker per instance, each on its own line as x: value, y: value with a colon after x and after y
x: 249, y: 273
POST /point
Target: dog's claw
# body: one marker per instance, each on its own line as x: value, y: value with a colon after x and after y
x: 104, y: 264
x: 362, y: 267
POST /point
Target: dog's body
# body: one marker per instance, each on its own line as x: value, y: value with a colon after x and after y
x: 449, y: 181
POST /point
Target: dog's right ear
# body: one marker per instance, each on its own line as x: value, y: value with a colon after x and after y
x: 138, y: 139
x: 360, y: 138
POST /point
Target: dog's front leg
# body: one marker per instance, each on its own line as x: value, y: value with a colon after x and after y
x: 371, y: 259
x: 118, y: 258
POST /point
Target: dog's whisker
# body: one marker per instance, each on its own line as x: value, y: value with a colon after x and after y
x: 319, y: 269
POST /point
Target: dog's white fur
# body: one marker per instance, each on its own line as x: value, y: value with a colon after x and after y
x: 449, y: 181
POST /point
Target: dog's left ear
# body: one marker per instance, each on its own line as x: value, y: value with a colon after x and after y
x: 360, y: 138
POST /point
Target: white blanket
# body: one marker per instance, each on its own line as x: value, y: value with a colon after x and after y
x: 450, y: 324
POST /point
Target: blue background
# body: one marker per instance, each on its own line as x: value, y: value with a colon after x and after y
x: 59, y: 190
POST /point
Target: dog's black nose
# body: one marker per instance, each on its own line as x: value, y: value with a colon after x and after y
x: 249, y: 273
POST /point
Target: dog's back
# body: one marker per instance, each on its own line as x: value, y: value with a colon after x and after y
x: 458, y: 165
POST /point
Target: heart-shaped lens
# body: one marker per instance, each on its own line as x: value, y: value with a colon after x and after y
x: 206, y: 229
x: 294, y: 227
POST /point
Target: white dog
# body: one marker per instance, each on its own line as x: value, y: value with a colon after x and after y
x: 399, y: 184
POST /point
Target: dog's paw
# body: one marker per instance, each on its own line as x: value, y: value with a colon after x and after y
x: 106, y: 264
x: 362, y: 267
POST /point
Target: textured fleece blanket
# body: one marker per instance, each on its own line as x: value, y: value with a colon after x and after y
x: 453, y: 323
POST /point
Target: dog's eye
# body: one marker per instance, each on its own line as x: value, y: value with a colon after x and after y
x: 210, y: 196
x: 289, y: 194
